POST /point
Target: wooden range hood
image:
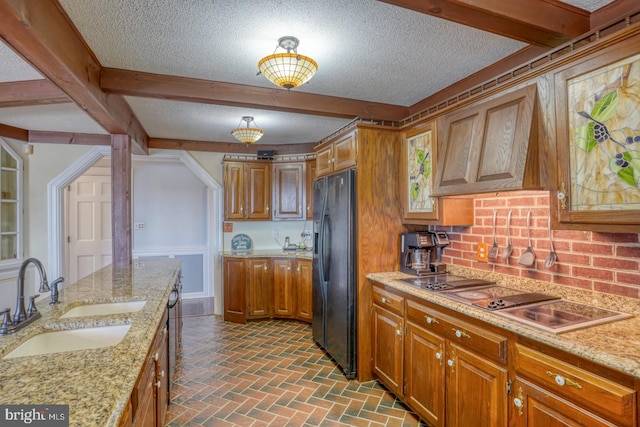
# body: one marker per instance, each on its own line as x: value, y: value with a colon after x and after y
x: 490, y: 145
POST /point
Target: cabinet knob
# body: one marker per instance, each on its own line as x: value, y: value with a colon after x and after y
x: 241, y: 209
x: 384, y: 300
x: 398, y: 332
x: 265, y: 267
x: 156, y: 357
x: 157, y: 384
x: 162, y: 374
x: 298, y: 269
x: 450, y: 363
x: 267, y: 208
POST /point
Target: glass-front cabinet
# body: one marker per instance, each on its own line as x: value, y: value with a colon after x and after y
x: 10, y: 204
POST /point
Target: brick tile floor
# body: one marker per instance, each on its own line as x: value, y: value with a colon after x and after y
x: 270, y: 373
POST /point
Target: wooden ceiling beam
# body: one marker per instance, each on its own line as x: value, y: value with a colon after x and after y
x: 148, y: 85
x: 41, y: 33
x: 14, y: 132
x: 538, y: 22
x: 69, y: 138
x: 30, y: 92
x: 229, y: 147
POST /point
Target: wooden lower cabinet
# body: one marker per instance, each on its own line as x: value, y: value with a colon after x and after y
x: 235, y: 290
x: 425, y: 374
x: 264, y: 288
x: 554, y: 392
x: 304, y: 308
x: 449, y: 372
x: 284, y: 275
x: 387, y: 348
x: 536, y: 407
x: 457, y: 373
x: 476, y: 389
x: 150, y: 396
x: 258, y: 288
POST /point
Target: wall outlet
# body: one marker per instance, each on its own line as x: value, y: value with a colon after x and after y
x: 483, y: 252
x: 274, y: 233
x: 139, y: 226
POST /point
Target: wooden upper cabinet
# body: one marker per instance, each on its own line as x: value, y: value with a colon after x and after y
x: 234, y: 199
x: 490, y: 146
x: 598, y: 140
x: 311, y: 176
x: 258, y: 190
x: 419, y: 158
x: 337, y: 155
x: 247, y: 190
x: 289, y: 191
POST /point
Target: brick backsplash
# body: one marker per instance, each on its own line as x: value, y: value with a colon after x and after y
x: 605, y: 262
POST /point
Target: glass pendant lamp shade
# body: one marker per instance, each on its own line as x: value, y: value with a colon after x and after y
x: 248, y: 135
x: 288, y: 70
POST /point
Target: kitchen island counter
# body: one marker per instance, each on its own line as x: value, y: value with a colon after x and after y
x: 96, y: 383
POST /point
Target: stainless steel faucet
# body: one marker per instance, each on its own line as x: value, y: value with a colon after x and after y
x: 22, y: 316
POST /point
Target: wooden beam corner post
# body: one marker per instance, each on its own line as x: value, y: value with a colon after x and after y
x: 121, y: 200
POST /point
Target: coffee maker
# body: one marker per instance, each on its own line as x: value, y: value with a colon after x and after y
x: 415, y: 252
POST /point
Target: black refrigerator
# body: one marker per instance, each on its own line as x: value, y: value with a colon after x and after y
x: 334, y: 268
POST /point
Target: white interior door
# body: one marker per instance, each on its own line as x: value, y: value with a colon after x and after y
x: 89, y: 223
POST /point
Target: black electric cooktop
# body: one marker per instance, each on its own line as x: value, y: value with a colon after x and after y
x: 441, y: 282
x: 495, y: 297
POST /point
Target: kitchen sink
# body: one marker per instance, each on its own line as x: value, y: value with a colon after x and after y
x: 562, y: 316
x: 70, y: 340
x: 105, y: 309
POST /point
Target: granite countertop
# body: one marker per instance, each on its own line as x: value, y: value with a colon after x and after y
x: 615, y: 345
x: 96, y: 384
x: 270, y: 253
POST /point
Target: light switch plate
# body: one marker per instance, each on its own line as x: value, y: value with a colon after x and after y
x: 483, y: 252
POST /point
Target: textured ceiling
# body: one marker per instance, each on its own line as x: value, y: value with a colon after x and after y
x: 366, y: 50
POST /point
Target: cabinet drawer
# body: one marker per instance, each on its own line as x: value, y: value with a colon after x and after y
x: 481, y: 341
x: 388, y: 300
x: 609, y: 399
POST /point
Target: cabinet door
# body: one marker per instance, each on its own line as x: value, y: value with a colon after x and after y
x: 345, y: 152
x: 145, y: 408
x: 234, y: 190
x: 387, y: 349
x: 235, y: 290
x: 259, y: 288
x: 303, y: 290
x: 488, y: 146
x: 289, y: 191
x: 258, y: 195
x: 161, y: 358
x: 283, y: 290
x: 311, y: 176
x: 324, y: 160
x: 598, y: 141
x: 535, y: 407
x: 417, y: 173
x: 476, y: 391
x: 425, y: 374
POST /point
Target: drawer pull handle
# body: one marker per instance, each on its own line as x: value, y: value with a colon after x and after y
x: 431, y: 320
x: 384, y: 300
x: 561, y: 381
x: 398, y: 332
x: 460, y: 333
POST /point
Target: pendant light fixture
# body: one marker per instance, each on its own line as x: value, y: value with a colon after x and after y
x: 248, y: 135
x: 288, y: 70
